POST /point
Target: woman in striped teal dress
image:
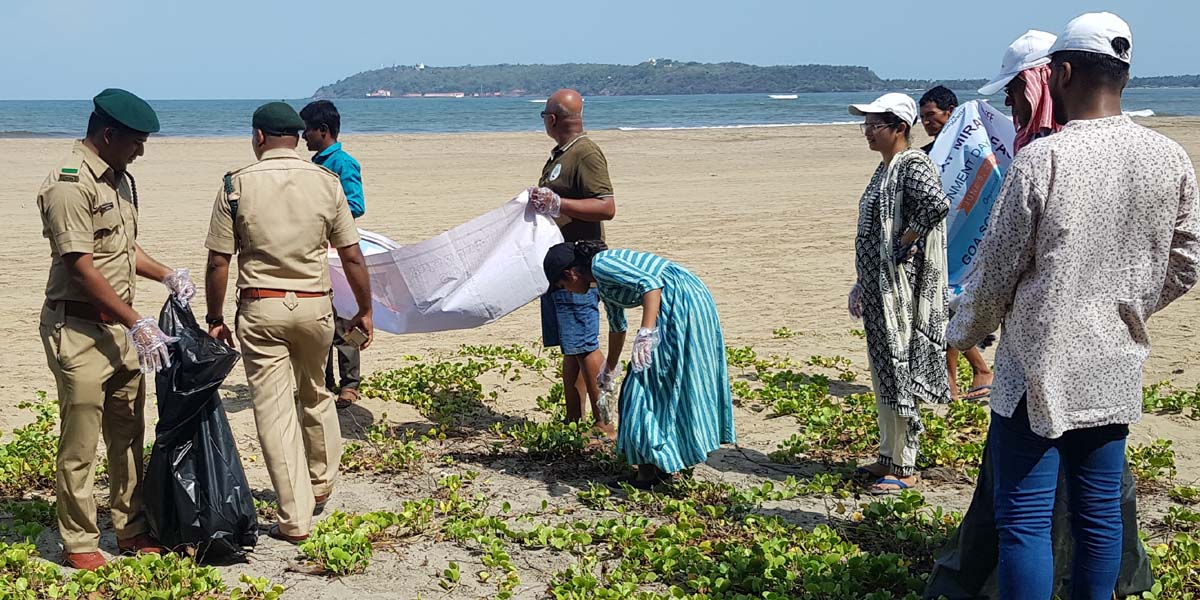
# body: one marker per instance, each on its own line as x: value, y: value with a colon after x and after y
x: 675, y: 404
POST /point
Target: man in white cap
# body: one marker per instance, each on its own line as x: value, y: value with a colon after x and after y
x: 1024, y: 77
x: 1095, y: 230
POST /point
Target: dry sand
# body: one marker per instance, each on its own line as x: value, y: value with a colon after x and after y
x: 764, y: 216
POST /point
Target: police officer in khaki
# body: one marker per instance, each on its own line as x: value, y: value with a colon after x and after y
x: 280, y: 215
x: 97, y: 345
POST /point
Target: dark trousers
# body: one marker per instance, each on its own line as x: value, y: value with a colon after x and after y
x: 347, y: 359
x: 965, y: 567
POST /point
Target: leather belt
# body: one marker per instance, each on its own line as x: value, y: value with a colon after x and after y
x: 87, y: 312
x: 260, y: 293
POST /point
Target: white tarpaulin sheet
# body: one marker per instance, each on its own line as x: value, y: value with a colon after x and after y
x: 466, y: 277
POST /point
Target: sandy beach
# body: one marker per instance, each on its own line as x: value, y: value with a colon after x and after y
x: 765, y: 217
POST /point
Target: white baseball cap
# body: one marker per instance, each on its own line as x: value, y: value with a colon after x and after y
x: 1095, y: 32
x: 1030, y: 50
x: 901, y: 105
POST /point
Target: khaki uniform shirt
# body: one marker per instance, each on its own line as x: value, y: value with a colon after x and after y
x: 289, y: 212
x: 578, y: 170
x: 87, y: 208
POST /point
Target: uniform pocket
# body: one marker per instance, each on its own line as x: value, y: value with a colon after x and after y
x: 51, y: 334
x: 108, y: 231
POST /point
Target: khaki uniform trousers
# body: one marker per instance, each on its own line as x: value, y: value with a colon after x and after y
x: 285, y: 341
x: 100, y: 388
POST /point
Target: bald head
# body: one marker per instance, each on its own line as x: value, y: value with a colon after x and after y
x: 563, y: 116
x: 565, y: 103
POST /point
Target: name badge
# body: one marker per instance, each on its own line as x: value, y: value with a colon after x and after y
x: 555, y: 172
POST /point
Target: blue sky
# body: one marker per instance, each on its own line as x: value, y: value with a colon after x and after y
x: 273, y: 49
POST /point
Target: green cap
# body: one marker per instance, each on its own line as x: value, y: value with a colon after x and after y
x: 278, y: 118
x: 126, y: 109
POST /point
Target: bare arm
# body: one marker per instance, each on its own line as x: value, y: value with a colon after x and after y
x: 616, y: 343
x: 216, y: 280
x: 148, y: 267
x: 651, y: 301
x: 592, y: 210
x: 98, y: 288
x: 360, y: 283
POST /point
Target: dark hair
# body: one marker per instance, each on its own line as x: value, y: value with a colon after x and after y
x: 1098, y: 70
x: 893, y: 122
x: 942, y: 96
x: 322, y: 113
x: 585, y: 251
x: 98, y: 122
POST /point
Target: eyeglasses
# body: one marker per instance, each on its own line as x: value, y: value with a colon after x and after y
x: 864, y: 127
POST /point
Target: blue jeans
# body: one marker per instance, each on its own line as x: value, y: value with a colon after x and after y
x: 1026, y: 469
x: 571, y: 321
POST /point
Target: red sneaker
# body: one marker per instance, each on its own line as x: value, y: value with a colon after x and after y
x: 291, y: 539
x: 85, y: 561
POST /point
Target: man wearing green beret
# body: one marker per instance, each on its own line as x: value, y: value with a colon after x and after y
x: 98, y: 347
x: 280, y: 215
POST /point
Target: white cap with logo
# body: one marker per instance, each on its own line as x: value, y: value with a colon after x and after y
x: 1028, y: 51
x: 1095, y: 32
x: 901, y: 105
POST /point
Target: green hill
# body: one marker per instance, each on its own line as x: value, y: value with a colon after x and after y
x: 653, y: 77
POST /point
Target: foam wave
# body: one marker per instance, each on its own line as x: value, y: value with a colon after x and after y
x: 21, y: 133
x: 749, y: 126
x: 1139, y: 113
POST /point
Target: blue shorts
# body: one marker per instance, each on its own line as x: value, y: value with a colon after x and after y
x: 571, y: 321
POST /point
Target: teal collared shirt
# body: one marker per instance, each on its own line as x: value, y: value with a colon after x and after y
x: 339, y: 161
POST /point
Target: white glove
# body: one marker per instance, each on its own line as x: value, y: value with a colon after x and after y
x: 607, y: 379
x: 151, y: 345
x: 181, y: 285
x: 855, y: 302
x: 643, y: 348
x: 545, y: 201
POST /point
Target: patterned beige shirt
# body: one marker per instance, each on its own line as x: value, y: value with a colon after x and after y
x: 1095, y: 230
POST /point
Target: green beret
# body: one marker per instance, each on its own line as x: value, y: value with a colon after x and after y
x: 278, y: 118
x: 126, y: 109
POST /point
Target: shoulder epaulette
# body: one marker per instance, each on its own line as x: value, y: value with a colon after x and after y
x: 69, y: 170
x: 231, y: 195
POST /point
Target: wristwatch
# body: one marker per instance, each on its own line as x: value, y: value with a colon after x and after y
x: 214, y: 321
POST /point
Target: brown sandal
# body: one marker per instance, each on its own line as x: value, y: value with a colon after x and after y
x: 347, y: 397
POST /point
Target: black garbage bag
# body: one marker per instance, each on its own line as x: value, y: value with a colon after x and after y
x: 965, y: 568
x: 195, y: 490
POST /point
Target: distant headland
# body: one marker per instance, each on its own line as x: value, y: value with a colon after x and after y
x: 652, y: 77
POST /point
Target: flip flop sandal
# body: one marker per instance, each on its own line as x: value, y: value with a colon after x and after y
x: 879, y: 491
x: 346, y: 398
x: 978, y: 393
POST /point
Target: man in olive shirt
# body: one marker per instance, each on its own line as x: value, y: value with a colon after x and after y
x: 575, y: 189
x: 97, y: 345
x: 277, y: 215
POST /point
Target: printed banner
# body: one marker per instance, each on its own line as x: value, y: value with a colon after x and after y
x: 466, y: 277
x: 973, y: 151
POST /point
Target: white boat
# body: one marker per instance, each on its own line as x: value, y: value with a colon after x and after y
x: 784, y: 96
